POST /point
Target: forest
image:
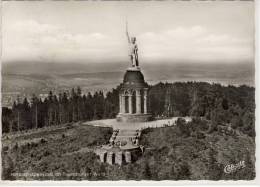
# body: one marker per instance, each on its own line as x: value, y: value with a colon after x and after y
x: 197, y: 150
x: 222, y: 105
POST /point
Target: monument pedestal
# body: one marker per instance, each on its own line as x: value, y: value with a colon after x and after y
x: 134, y: 118
x: 133, y: 97
x: 134, y: 68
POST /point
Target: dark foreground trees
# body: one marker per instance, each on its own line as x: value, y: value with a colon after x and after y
x: 59, y: 109
x: 222, y: 105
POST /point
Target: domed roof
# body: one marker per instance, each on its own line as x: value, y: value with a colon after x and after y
x: 133, y: 77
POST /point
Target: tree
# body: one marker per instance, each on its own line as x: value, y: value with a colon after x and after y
x: 89, y: 107
x: 64, y: 111
x: 35, y: 111
x: 7, y: 120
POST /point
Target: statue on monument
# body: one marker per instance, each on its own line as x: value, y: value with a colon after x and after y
x: 132, y: 49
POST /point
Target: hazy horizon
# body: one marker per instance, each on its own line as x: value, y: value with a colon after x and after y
x: 224, y: 73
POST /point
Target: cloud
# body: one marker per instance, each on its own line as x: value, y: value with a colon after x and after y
x: 195, y: 43
x: 33, y: 41
x: 33, y: 27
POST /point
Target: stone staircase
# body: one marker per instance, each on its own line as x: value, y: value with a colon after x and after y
x: 123, y: 147
x: 125, y: 137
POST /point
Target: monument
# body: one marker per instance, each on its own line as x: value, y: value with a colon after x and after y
x: 133, y: 94
x: 123, y: 146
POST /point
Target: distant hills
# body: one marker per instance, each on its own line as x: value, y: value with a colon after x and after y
x: 105, y: 76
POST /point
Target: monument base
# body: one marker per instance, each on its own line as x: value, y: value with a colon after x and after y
x: 134, y: 117
x: 135, y: 68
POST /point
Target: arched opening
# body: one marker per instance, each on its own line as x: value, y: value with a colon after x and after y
x: 126, y: 104
x: 105, y: 157
x: 134, y: 102
x: 113, y: 158
x: 126, y: 101
x: 142, y: 101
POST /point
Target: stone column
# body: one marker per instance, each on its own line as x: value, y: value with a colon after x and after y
x: 138, y: 101
x: 103, y: 156
x: 119, y: 158
x: 137, y: 142
x: 123, y: 103
x: 110, y: 159
x: 130, y: 104
x: 128, y: 158
x: 120, y: 103
x: 145, y: 101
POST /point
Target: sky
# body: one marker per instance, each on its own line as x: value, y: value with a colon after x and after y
x: 166, y: 31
